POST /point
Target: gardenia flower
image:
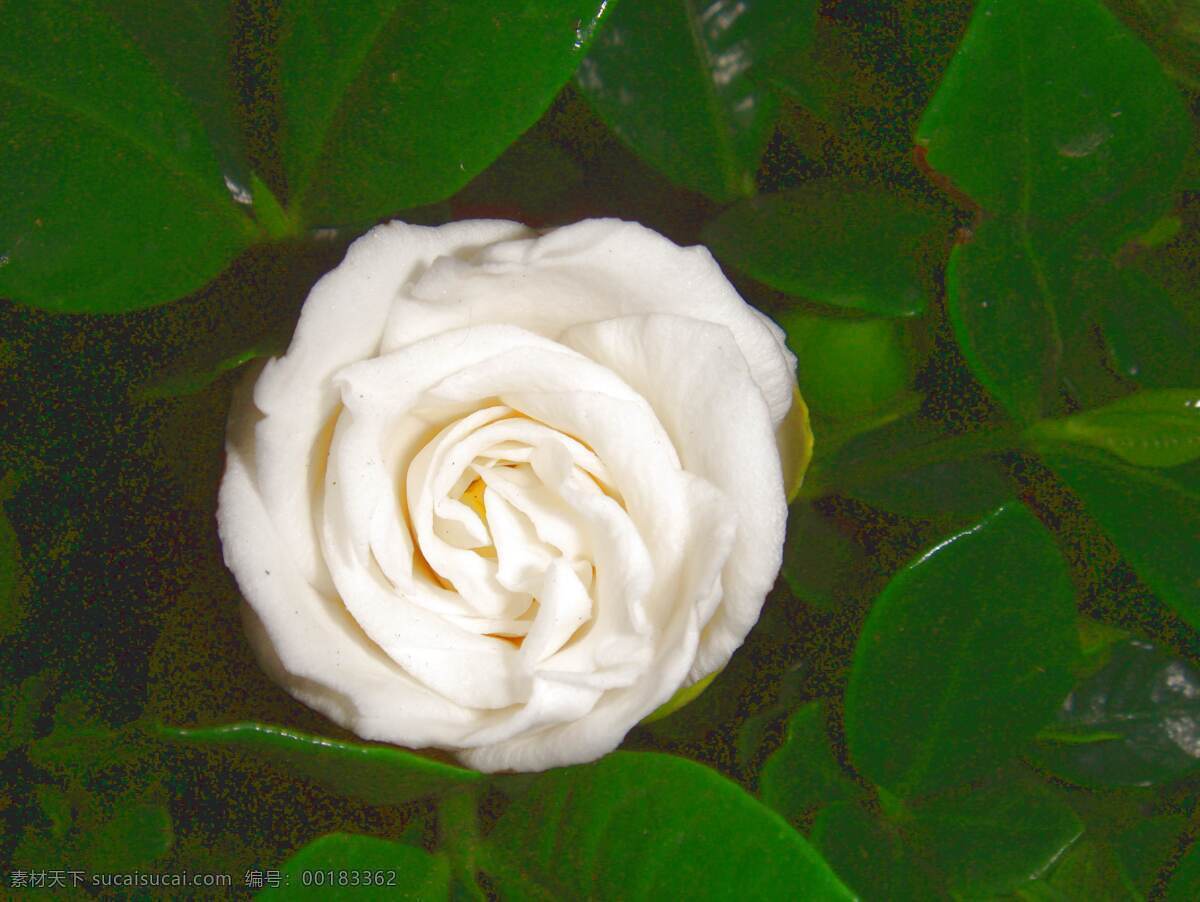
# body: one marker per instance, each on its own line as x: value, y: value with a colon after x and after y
x: 508, y: 492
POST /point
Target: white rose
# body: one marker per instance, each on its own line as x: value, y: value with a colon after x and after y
x: 506, y: 493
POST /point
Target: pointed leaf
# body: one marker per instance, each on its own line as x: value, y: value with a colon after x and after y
x: 965, y: 655
x: 115, y: 198
x: 1150, y: 429
x: 381, y: 775
x: 674, y: 78
x: 628, y: 826
x: 403, y: 102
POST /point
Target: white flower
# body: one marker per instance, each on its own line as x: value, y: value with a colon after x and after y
x: 507, y: 493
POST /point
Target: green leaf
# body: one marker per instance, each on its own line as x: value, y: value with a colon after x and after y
x: 189, y: 45
x: 1185, y: 883
x: 134, y: 835
x: 121, y: 201
x: 847, y: 368
x: 802, y: 774
x: 965, y: 655
x: 1146, y: 847
x: 1150, y: 429
x: 638, y: 825
x: 1151, y: 331
x: 995, y: 839
x: 819, y: 563
x: 1091, y: 870
x: 870, y: 855
x: 1002, y: 308
x: 196, y: 376
x: 395, y: 870
x: 1172, y: 29
x: 900, y: 468
x: 381, y: 775
x: 1133, y: 723
x: 1152, y: 517
x: 403, y: 102
x: 836, y: 243
x: 674, y: 79
x: 1089, y: 149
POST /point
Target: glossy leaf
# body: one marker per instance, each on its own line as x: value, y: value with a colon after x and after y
x: 649, y: 826
x: 802, y: 774
x: 965, y: 655
x: 847, y: 368
x: 1003, y: 313
x: 381, y: 775
x: 1136, y: 722
x: 402, y: 103
x: 1150, y: 429
x: 995, y: 839
x: 395, y: 870
x: 674, y: 79
x: 1152, y: 517
x: 1088, y: 151
x: 121, y: 201
x: 836, y: 243
x: 871, y: 856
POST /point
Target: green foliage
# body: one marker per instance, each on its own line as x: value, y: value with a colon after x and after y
x: 1152, y: 517
x: 955, y: 671
x: 836, y: 243
x: 359, y: 141
x: 601, y: 831
x: 870, y: 855
x: 802, y: 774
x: 382, y: 775
x: 1004, y: 318
x: 121, y: 200
x: 996, y: 838
x: 847, y: 368
x: 1088, y: 152
x: 1133, y: 723
x: 377, y: 867
x: 1149, y: 429
x: 675, y: 79
x: 1051, y: 139
x: 1069, y: 160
